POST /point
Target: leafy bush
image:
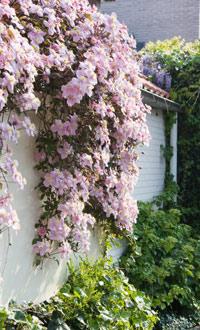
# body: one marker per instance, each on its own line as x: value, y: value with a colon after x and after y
x: 163, y: 259
x: 174, y: 322
x: 20, y: 317
x: 182, y: 61
x: 95, y: 296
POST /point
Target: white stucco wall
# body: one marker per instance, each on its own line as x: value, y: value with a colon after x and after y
x: 23, y: 282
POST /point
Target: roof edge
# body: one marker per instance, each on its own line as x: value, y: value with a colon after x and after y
x: 159, y: 102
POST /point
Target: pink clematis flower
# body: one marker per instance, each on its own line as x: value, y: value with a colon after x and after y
x: 72, y: 92
x: 65, y: 250
x: 29, y: 127
x: 42, y: 231
x: 40, y: 248
x: 65, y: 151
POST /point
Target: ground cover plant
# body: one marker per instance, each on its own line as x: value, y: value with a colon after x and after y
x: 172, y: 321
x: 96, y: 296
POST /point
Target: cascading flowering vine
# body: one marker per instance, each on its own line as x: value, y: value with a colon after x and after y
x: 78, y: 70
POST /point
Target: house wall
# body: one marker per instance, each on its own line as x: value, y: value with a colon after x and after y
x: 152, y: 169
x: 157, y: 19
x: 151, y: 161
x: 21, y: 281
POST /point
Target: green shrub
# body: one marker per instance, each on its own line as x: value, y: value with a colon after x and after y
x: 96, y: 296
x: 21, y: 317
x: 174, y: 322
x: 182, y: 61
x: 163, y: 259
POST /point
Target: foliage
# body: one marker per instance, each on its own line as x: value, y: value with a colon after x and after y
x: 163, y: 258
x: 77, y: 69
x: 174, y: 322
x: 182, y: 61
x: 166, y: 200
x: 172, y: 46
x: 95, y: 296
x: 171, y: 188
x: 103, y: 298
x: 19, y: 317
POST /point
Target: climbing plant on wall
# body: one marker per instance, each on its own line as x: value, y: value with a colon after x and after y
x: 182, y: 61
x: 77, y: 70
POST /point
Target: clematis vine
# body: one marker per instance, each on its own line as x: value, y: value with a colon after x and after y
x: 77, y: 69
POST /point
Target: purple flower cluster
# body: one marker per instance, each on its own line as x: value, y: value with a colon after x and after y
x: 150, y: 67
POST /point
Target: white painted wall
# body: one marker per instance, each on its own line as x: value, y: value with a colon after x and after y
x: 23, y: 282
x: 20, y: 280
x: 152, y: 162
x: 152, y: 169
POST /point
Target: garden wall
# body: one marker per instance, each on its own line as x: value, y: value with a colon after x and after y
x: 23, y: 282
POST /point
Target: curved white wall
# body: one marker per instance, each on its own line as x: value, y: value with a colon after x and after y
x: 20, y: 280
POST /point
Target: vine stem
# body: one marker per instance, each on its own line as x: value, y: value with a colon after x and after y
x: 197, y: 96
x: 7, y: 250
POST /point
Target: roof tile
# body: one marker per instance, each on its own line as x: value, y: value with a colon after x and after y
x: 151, y: 87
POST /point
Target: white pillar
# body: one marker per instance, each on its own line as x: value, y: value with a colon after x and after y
x: 173, y: 143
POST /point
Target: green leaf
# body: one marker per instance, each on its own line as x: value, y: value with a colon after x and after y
x: 66, y: 288
x: 3, y: 315
x: 54, y: 326
x: 79, y: 293
x: 38, y: 262
x: 107, y: 278
x: 34, y: 241
x: 106, y: 316
x: 19, y: 315
x: 81, y: 319
x: 124, y: 316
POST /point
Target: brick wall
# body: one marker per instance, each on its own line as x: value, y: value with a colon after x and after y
x: 157, y: 19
